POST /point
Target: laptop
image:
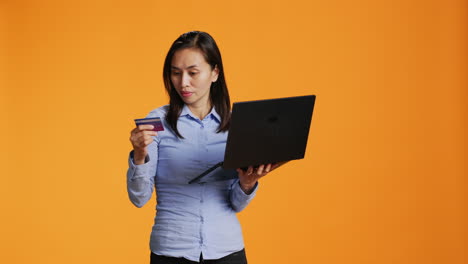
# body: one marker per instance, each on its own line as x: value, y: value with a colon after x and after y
x: 264, y: 131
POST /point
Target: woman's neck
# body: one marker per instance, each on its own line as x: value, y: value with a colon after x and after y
x: 200, y: 111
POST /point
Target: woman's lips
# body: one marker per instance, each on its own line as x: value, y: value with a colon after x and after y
x: 186, y: 94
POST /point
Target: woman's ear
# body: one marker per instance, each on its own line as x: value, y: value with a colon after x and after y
x: 215, y: 74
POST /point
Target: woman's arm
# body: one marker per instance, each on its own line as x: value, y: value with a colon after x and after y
x: 243, y: 190
x: 142, y: 165
x: 239, y: 199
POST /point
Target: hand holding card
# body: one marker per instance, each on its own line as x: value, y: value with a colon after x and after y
x: 141, y: 138
x: 154, y: 121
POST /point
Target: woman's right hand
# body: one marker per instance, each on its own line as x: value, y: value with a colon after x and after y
x: 141, y: 137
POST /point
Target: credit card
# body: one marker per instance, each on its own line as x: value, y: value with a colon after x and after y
x: 155, y: 121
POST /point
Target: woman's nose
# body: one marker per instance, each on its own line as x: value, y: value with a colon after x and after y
x: 185, y: 81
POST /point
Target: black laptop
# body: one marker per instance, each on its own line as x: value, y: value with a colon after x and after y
x: 264, y: 131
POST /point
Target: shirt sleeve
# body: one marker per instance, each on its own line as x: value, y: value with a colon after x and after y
x: 140, y: 178
x: 239, y: 199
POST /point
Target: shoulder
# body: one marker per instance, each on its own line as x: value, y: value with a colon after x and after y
x: 159, y: 112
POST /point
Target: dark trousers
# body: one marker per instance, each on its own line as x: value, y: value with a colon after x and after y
x: 234, y: 258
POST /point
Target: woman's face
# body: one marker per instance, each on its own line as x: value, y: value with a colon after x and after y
x: 192, y: 76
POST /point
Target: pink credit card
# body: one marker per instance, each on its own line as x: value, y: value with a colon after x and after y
x: 155, y: 121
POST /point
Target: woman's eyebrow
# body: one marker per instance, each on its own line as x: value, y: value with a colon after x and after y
x: 189, y: 67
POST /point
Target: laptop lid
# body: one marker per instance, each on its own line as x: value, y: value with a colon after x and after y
x: 268, y: 131
x: 262, y: 132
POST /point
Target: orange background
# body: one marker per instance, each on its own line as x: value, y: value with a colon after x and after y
x: 384, y: 178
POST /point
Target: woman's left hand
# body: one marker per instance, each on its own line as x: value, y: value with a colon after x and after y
x: 248, y: 179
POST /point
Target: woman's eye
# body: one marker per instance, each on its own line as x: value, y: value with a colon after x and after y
x: 175, y: 73
x: 193, y: 73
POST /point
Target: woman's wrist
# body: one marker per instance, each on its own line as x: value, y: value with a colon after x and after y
x: 139, y: 157
x: 247, y: 188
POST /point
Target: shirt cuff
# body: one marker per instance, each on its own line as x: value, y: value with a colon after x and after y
x: 137, y: 171
x: 241, y: 194
x: 239, y: 199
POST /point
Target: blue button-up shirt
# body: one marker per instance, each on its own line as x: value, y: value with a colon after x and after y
x: 190, y: 218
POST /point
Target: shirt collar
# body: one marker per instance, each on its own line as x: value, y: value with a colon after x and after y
x: 186, y: 112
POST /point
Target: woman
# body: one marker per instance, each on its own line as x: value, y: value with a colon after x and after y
x: 194, y: 223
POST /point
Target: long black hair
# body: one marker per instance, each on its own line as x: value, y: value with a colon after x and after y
x: 219, y: 95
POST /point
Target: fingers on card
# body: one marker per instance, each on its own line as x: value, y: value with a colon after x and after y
x: 154, y: 121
